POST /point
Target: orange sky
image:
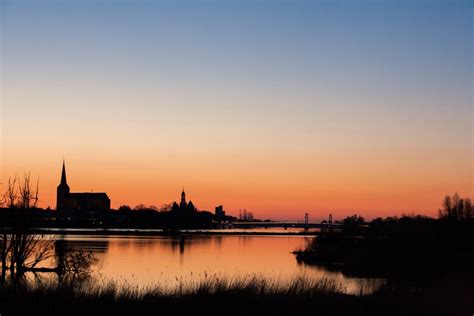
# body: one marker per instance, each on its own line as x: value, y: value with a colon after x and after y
x: 269, y: 189
x: 278, y: 109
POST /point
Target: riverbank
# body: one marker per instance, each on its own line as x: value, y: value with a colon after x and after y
x: 253, y: 296
x: 163, y: 232
x: 409, y: 247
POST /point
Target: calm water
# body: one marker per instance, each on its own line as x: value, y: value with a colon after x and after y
x: 167, y: 261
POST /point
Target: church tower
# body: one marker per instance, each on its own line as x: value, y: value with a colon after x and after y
x: 183, y: 203
x: 62, y: 191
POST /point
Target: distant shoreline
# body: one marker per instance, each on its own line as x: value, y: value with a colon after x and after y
x: 159, y: 232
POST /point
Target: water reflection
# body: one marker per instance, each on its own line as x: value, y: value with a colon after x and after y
x: 86, y: 243
x: 166, y: 261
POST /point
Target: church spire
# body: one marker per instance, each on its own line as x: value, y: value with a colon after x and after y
x: 63, y: 174
x: 62, y: 191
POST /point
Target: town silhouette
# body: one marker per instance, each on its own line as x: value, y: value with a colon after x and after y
x: 92, y: 210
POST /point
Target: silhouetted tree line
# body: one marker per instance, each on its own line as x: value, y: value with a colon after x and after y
x: 353, y: 224
x: 408, y: 247
x: 164, y: 217
x: 122, y: 218
x: 125, y: 217
x: 456, y: 208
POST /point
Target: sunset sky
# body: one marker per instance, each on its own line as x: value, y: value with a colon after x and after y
x: 277, y: 107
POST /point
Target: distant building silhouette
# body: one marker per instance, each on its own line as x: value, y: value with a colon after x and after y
x: 183, y: 206
x: 245, y: 215
x: 65, y: 200
x: 220, y: 211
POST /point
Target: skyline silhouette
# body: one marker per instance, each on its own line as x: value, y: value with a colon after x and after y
x: 100, y: 202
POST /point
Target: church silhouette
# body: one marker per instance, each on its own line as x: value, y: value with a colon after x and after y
x: 183, y: 207
x: 65, y: 200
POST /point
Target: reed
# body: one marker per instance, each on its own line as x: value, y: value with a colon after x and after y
x: 213, y: 295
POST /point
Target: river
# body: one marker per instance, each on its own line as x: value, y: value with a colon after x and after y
x: 168, y: 261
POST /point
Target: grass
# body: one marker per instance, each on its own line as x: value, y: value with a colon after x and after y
x: 248, y: 295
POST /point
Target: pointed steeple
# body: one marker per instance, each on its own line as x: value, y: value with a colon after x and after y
x: 62, y: 191
x: 63, y: 174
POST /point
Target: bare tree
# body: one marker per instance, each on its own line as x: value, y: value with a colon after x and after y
x: 72, y: 264
x: 28, y: 197
x: 10, y: 195
x: 21, y: 250
x: 6, y: 244
x: 78, y: 263
x: 455, y: 207
x: 30, y: 250
x: 166, y: 207
x: 9, y: 199
x: 139, y: 207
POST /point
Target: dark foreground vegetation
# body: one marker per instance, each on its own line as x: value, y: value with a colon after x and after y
x: 421, y: 257
x: 411, y: 248
x: 253, y: 296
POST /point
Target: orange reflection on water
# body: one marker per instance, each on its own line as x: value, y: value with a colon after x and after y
x: 168, y: 261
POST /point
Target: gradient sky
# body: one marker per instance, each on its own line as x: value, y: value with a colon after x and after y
x: 278, y: 107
